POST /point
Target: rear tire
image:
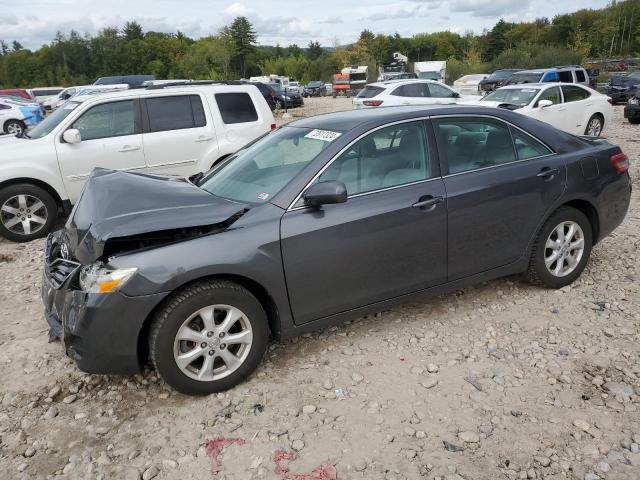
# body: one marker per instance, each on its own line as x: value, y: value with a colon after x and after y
x: 27, y: 212
x: 595, y: 125
x: 561, y: 249
x: 186, y: 341
x: 634, y: 121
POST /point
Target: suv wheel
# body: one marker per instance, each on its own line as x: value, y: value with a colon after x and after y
x: 561, y: 250
x: 208, y: 337
x: 26, y: 212
x: 595, y: 125
x: 14, y: 127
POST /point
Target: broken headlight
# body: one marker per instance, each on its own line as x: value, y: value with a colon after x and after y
x: 97, y: 278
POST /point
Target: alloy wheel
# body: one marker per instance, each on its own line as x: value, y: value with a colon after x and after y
x: 564, y: 249
x: 594, y: 128
x: 213, y: 342
x: 23, y: 214
x: 14, y: 128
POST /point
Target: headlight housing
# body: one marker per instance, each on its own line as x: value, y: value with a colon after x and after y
x: 97, y: 278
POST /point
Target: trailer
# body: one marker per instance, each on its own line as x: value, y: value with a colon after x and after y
x: 434, y: 70
x: 349, y: 81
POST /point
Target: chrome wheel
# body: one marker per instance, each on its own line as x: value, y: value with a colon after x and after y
x: 564, y: 249
x: 23, y: 214
x: 213, y: 342
x: 594, y: 127
x: 14, y: 128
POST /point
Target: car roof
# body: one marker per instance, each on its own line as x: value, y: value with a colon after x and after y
x: 543, y: 85
x: 350, y: 119
x: 167, y: 90
x: 390, y: 83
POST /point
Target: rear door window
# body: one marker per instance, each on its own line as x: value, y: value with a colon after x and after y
x: 470, y: 144
x: 411, y: 90
x: 175, y: 113
x: 574, y: 94
x: 236, y: 107
x: 527, y: 146
x: 566, y: 76
x: 580, y: 77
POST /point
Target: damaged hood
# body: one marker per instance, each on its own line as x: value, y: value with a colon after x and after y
x: 123, y: 211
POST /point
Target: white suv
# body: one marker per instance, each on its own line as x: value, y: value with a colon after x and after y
x: 408, y: 92
x: 167, y: 129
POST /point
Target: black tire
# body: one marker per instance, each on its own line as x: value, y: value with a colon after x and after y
x: 17, y: 125
x: 184, y: 303
x: 594, y: 117
x: 49, y: 211
x: 634, y: 121
x: 537, y: 272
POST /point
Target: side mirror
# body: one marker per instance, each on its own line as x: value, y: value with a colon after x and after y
x: 544, y: 103
x: 66, y: 96
x: 456, y: 95
x: 325, y: 193
x: 72, y: 136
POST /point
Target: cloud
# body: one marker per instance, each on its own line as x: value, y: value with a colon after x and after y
x: 489, y: 8
x: 398, y: 11
x: 8, y: 19
x: 238, y: 10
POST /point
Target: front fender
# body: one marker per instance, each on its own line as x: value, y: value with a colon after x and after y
x: 20, y: 172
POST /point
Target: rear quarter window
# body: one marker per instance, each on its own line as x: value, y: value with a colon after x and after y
x: 368, y: 92
x: 236, y: 107
x: 573, y: 94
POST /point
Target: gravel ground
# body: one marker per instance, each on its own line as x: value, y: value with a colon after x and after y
x: 500, y: 381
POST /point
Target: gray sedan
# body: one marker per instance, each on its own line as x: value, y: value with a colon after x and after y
x: 323, y: 220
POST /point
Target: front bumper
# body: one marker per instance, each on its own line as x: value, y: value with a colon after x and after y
x: 100, y: 332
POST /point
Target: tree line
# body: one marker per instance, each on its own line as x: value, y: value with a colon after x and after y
x: 74, y: 59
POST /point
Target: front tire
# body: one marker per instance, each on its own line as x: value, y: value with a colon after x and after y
x: 595, y: 125
x: 27, y: 212
x: 14, y: 127
x: 561, y: 250
x: 208, y: 337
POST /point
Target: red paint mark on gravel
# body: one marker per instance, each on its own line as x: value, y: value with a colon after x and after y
x: 215, y: 446
x: 325, y: 471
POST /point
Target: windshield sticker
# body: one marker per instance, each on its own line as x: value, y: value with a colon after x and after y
x: 324, y: 135
x: 263, y: 196
x: 528, y: 90
x: 69, y: 106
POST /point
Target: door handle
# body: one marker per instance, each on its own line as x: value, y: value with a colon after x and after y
x: 548, y: 173
x: 203, y: 139
x: 427, y: 203
x: 129, y: 148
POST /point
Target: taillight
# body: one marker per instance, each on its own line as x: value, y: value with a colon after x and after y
x: 609, y: 99
x: 620, y: 162
x: 372, y: 103
x: 273, y: 126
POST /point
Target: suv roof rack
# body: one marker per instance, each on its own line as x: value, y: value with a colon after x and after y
x: 568, y: 66
x: 194, y: 83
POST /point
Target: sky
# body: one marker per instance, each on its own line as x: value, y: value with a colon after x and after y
x: 331, y: 22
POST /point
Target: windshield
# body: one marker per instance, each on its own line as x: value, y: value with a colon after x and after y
x: 533, y: 77
x: 314, y: 84
x: 512, y: 96
x: 53, y: 120
x: 258, y: 172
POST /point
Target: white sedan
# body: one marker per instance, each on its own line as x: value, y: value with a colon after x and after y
x: 573, y: 108
x: 408, y: 92
x: 468, y: 84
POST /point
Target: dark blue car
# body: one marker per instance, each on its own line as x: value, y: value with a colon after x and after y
x: 323, y: 220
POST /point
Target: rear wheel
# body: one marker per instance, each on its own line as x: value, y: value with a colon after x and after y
x: 595, y: 125
x: 14, y: 127
x: 26, y: 212
x: 208, y: 337
x: 634, y: 121
x: 561, y: 250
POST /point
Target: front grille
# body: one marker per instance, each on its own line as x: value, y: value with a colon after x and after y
x: 59, y: 271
